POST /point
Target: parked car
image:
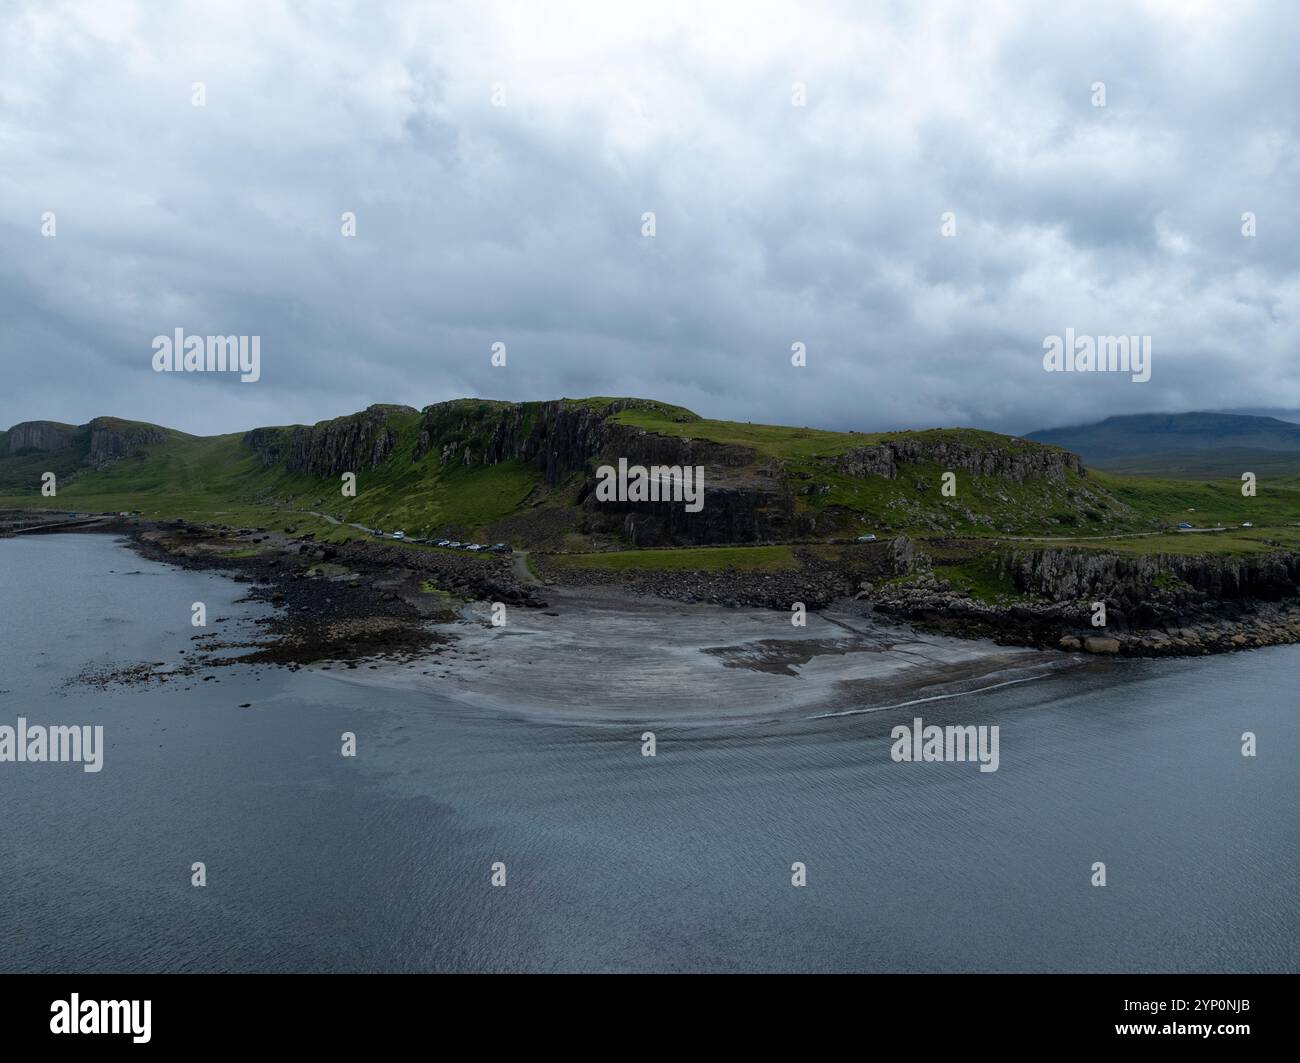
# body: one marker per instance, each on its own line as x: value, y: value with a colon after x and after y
x: 399, y: 535
x: 443, y: 542
x: 377, y: 531
x: 866, y: 538
x: 1184, y: 526
x: 475, y: 547
x: 455, y: 545
x: 1248, y: 525
x: 498, y: 548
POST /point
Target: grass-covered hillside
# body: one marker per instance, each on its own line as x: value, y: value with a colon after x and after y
x: 523, y: 473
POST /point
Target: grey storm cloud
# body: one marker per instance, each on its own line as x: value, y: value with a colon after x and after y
x: 775, y: 224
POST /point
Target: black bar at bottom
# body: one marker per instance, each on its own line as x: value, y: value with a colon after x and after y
x: 338, y: 1012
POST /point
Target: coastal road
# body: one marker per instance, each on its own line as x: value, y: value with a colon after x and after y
x: 1128, y: 535
x: 1071, y: 538
x: 334, y: 520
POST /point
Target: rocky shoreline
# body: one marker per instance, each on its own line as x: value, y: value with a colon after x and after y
x: 337, y: 602
x: 1155, y: 605
x: 1188, y: 630
x: 368, y: 599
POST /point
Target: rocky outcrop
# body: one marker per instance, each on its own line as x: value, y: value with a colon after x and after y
x: 40, y: 435
x: 112, y: 440
x: 1075, y: 574
x: 650, y: 448
x: 868, y: 461
x: 746, y: 500
x: 732, y: 513
x: 560, y: 438
x: 345, y: 444
x: 1155, y: 605
x: 269, y: 444
x: 101, y: 442
x: 1172, y: 629
x: 1017, y: 460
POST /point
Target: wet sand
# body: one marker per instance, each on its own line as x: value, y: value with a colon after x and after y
x: 598, y: 655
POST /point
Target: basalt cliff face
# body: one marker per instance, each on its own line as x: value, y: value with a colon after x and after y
x: 98, y: 444
x: 1154, y: 605
x: 747, y: 499
x: 1068, y: 574
x: 1018, y: 461
x: 41, y: 436
x: 345, y: 444
x: 560, y: 438
x: 112, y: 440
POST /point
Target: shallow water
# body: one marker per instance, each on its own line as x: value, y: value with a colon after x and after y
x: 616, y: 861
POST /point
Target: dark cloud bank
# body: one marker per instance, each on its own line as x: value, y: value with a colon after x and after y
x: 774, y: 224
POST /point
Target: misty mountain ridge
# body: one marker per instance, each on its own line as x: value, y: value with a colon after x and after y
x: 1197, y: 445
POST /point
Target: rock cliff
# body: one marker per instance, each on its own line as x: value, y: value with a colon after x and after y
x: 41, y: 435
x: 1155, y: 604
x: 344, y: 444
x: 112, y: 439
x: 1019, y: 460
x: 560, y: 438
x: 1067, y: 574
x: 99, y: 443
x: 747, y: 499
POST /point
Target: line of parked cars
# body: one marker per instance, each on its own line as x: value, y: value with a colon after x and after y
x: 450, y: 544
x: 474, y: 548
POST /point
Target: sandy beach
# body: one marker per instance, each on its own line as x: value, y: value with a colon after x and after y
x: 596, y: 654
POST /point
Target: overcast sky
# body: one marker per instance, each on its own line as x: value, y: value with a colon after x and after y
x: 774, y: 223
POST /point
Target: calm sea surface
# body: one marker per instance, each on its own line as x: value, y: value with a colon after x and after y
x: 614, y: 861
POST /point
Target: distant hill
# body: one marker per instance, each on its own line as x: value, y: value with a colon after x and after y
x: 1193, y: 446
x: 525, y: 473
